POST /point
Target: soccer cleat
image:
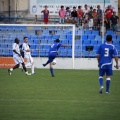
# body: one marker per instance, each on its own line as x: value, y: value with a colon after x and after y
x: 53, y: 76
x: 9, y: 72
x: 28, y: 74
x: 107, y: 93
x: 43, y: 65
x: 101, y: 88
x: 33, y: 73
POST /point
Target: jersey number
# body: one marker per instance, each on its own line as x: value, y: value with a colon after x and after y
x: 106, y: 52
x: 52, y: 45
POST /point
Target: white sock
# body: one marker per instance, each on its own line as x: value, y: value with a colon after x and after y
x: 32, y: 68
x: 11, y: 69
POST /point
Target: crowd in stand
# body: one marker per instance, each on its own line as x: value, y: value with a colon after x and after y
x: 88, y: 16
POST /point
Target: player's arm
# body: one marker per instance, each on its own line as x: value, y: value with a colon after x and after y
x: 29, y: 50
x: 98, y: 59
x: 16, y: 52
x: 116, y: 60
x: 25, y: 49
x: 63, y: 45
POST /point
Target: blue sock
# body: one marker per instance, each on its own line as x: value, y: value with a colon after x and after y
x: 107, y: 84
x: 52, y: 71
x: 47, y: 62
x: 101, y: 81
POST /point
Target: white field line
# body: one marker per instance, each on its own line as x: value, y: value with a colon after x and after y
x: 67, y: 101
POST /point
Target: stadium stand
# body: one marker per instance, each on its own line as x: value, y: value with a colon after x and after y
x: 41, y: 44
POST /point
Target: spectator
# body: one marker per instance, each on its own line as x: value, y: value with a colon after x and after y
x: 90, y: 18
x: 114, y: 20
x: 68, y: 15
x: 46, y: 14
x: 85, y: 20
x: 99, y: 16
x: 94, y: 14
x: 86, y: 10
x: 108, y: 14
x: 85, y: 16
x: 62, y: 15
x: 74, y: 15
x: 79, y: 16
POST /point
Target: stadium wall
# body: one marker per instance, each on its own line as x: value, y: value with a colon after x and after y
x: 66, y: 63
x: 61, y: 63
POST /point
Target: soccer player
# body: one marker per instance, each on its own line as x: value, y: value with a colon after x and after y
x: 53, y: 52
x: 27, y: 55
x: 105, y: 54
x: 17, y: 58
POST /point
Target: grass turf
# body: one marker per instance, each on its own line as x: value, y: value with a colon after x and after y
x: 70, y: 95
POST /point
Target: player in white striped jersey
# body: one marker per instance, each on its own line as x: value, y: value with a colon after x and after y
x: 27, y: 55
x: 17, y: 58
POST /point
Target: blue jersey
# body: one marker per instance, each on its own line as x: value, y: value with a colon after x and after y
x: 106, y: 52
x: 54, y: 47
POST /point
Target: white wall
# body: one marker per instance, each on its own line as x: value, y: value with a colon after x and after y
x: 66, y: 63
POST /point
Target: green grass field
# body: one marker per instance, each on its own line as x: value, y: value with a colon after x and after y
x: 70, y: 95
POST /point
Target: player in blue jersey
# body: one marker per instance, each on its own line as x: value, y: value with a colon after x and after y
x: 105, y: 54
x: 53, y: 52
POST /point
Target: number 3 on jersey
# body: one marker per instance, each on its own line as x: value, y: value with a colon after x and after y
x: 106, y: 52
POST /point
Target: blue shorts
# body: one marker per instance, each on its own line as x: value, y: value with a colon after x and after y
x: 107, y: 72
x: 51, y: 56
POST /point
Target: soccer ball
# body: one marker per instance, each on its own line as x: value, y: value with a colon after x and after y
x: 54, y: 62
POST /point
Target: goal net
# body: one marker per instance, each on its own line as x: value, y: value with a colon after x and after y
x: 40, y: 38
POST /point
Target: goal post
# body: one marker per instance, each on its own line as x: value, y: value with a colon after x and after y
x: 40, y: 38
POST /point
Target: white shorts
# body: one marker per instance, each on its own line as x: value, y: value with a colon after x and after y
x: 29, y: 58
x: 91, y: 23
x: 17, y: 59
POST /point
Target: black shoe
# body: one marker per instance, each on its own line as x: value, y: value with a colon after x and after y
x: 101, y: 88
x: 9, y: 72
x: 43, y: 65
x: 100, y: 91
x: 53, y: 76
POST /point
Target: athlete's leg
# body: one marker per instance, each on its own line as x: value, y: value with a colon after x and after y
x: 50, y: 58
x: 108, y: 79
x: 51, y: 69
x: 101, y: 74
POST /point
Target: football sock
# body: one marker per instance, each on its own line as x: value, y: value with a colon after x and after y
x: 101, y: 81
x: 32, y: 68
x: 11, y: 69
x: 107, y: 84
x: 51, y: 70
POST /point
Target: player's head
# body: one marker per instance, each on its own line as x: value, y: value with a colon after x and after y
x: 25, y: 39
x: 57, y: 40
x: 109, y: 38
x: 17, y: 40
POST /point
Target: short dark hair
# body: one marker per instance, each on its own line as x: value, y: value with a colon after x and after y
x: 62, y: 6
x: 91, y: 7
x: 57, y: 40
x: 67, y: 8
x: 16, y: 40
x: 79, y: 7
x: 74, y: 7
x: 25, y: 37
x: 109, y: 38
